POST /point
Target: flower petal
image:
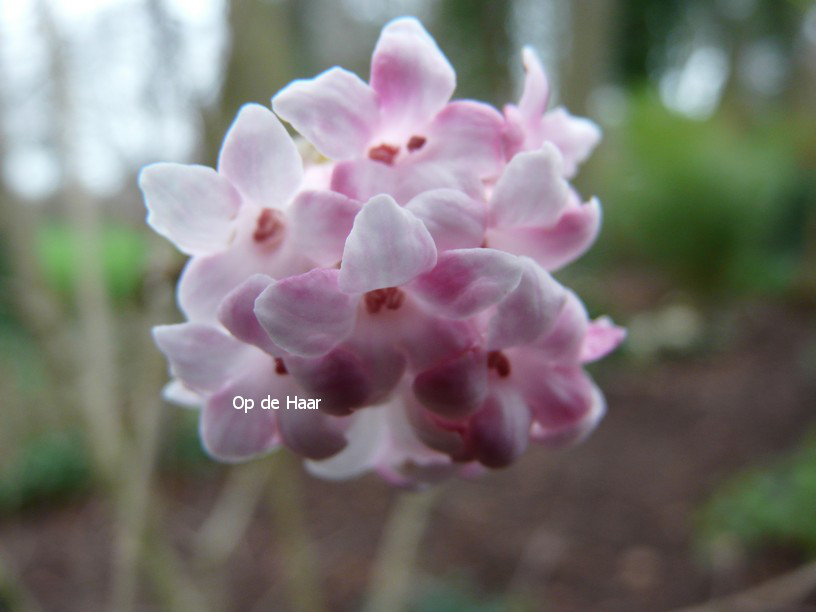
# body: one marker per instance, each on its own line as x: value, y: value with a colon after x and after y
x: 456, y: 388
x: 466, y: 281
x: 307, y: 314
x: 237, y: 314
x: 565, y: 341
x: 321, y: 222
x: 310, y: 433
x: 454, y: 219
x: 176, y: 393
x: 553, y: 247
x: 337, y: 378
x: 466, y: 135
x: 531, y: 191
x: 387, y: 247
x: 201, y: 356
x: 529, y: 311
x: 575, y: 137
x: 411, y: 76
x: 234, y: 434
x: 536, y: 93
x: 602, y: 338
x: 365, y: 438
x: 335, y: 111
x: 499, y: 432
x: 192, y: 206
x: 260, y: 158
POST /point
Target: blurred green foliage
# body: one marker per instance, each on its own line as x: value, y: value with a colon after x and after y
x: 46, y: 470
x: 123, y: 252
x: 773, y: 506
x: 716, y: 206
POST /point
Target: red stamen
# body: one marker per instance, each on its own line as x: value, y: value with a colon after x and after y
x: 498, y: 361
x: 374, y: 300
x: 416, y: 143
x: 383, y: 153
x: 280, y: 367
x: 269, y: 226
x: 394, y: 298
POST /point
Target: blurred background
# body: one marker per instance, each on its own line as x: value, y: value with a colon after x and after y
x: 700, y: 482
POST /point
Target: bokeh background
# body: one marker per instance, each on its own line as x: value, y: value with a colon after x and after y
x: 701, y: 481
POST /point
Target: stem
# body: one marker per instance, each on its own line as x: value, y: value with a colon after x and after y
x: 392, y: 575
x: 302, y: 572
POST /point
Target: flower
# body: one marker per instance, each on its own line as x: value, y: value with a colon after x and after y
x: 403, y: 279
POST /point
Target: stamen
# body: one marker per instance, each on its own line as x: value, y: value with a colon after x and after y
x: 280, y: 367
x: 374, y: 300
x: 269, y: 227
x: 383, y: 153
x: 497, y: 360
x: 416, y: 143
x: 394, y: 298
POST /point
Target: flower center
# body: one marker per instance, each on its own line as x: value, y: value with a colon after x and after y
x: 384, y: 153
x: 391, y: 297
x: 498, y: 361
x: 268, y: 228
x: 280, y: 367
x: 416, y: 143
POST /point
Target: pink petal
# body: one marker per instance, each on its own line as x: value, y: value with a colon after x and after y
x: 231, y: 434
x: 192, y: 206
x: 201, y: 356
x: 575, y: 137
x: 456, y: 388
x: 260, y: 158
x: 176, y: 393
x: 529, y: 311
x: 531, y: 191
x: 499, y: 432
x: 237, y: 314
x: 428, y: 339
x: 553, y: 247
x: 466, y: 135
x: 321, y: 222
x: 467, y: 281
x: 365, y: 438
x: 310, y: 433
x: 431, y: 431
x: 454, y: 219
x: 602, y: 338
x: 564, y: 343
x: 335, y: 111
x: 363, y: 179
x: 387, y: 247
x: 536, y: 93
x: 411, y: 76
x: 307, y: 315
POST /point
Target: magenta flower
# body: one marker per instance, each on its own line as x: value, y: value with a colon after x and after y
x: 404, y: 282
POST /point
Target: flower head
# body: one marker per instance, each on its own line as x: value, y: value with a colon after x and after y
x: 404, y: 279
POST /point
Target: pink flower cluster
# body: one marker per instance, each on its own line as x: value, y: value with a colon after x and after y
x: 401, y: 273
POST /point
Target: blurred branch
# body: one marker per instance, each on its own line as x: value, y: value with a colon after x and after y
x: 391, y: 580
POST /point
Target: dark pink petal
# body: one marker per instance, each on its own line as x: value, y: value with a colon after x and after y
x: 565, y: 341
x: 201, y: 356
x: 428, y: 339
x: 366, y: 438
x: 431, y: 432
x: 575, y: 137
x: 307, y: 314
x: 237, y: 314
x: 531, y: 191
x: 411, y: 76
x: 455, y: 220
x: 602, y: 338
x: 321, y: 222
x: 466, y: 135
x: 529, y: 311
x: 310, y: 433
x: 335, y: 111
x: 337, y: 378
x: 536, y: 94
x: 553, y: 247
x: 192, y: 206
x: 231, y: 434
x: 260, y: 158
x: 499, y: 432
x: 455, y: 388
x: 467, y: 281
x: 387, y: 247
